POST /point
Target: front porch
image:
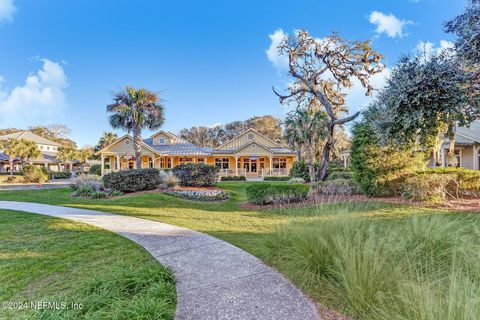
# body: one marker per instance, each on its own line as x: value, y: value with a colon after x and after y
x: 248, y: 166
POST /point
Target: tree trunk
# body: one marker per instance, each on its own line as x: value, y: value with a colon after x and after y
x: 326, y: 153
x: 137, y: 145
x: 310, y: 162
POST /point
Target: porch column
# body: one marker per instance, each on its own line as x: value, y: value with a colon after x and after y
x: 171, y: 162
x: 270, y: 159
x: 236, y: 165
x: 117, y: 162
x: 475, y: 162
x: 444, y: 161
x: 102, y: 165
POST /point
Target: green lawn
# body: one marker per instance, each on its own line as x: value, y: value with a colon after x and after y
x: 50, y: 259
x: 274, y: 235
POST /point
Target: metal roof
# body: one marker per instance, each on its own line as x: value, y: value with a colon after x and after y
x: 30, y: 136
x: 183, y: 148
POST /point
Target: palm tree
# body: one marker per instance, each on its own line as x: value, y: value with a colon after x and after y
x: 133, y: 110
x: 304, y: 127
x: 28, y: 150
x: 82, y: 156
x: 105, y: 140
x: 19, y: 149
x: 65, y: 154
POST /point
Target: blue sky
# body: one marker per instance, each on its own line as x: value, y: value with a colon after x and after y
x: 61, y: 60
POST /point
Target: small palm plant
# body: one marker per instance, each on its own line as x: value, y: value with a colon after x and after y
x: 133, y: 110
x: 106, y: 139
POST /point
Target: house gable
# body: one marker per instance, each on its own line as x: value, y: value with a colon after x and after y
x: 253, y: 149
x: 165, y: 138
x: 246, y: 138
x: 124, y: 146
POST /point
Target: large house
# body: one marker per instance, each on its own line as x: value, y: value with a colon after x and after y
x: 466, y: 152
x: 48, y: 150
x: 250, y: 154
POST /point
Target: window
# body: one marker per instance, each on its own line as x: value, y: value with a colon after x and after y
x: 222, y: 163
x: 279, y: 163
x: 250, y: 136
x: 185, y: 160
x: 127, y: 142
x: 161, y: 141
x: 48, y: 148
x: 458, y: 159
x: 201, y: 160
x: 41, y: 147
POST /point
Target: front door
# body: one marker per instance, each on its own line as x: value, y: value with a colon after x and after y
x: 253, y: 166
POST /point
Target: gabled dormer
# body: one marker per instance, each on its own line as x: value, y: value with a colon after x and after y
x: 246, y: 138
x: 165, y: 138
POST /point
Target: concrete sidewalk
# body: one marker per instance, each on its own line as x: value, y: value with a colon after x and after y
x: 52, y: 184
x: 215, y: 280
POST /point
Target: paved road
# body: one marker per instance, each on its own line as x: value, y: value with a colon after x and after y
x: 52, y: 184
x: 215, y: 280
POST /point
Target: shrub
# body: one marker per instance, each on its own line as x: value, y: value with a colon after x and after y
x: 277, y: 178
x: 344, y: 187
x: 200, y: 195
x: 133, y: 180
x: 265, y: 193
x: 300, y: 170
x: 167, y: 179
x: 60, y: 175
x: 34, y: 174
x: 84, y: 192
x: 433, y: 187
x: 377, y: 169
x: 196, y: 174
x: 95, y: 169
x: 233, y: 178
x: 89, y: 181
x: 466, y: 180
x: 296, y: 180
x: 340, y: 175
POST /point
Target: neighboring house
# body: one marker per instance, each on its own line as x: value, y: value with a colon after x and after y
x: 47, y: 148
x: 467, y: 149
x: 250, y: 154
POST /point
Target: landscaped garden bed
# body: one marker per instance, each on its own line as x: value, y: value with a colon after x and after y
x: 199, y: 194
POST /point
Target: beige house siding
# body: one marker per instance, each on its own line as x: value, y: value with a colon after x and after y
x: 125, y: 147
x: 246, y: 138
x: 467, y: 158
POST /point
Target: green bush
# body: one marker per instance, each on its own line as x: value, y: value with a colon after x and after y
x: 133, y: 180
x: 33, y: 174
x: 266, y: 193
x: 277, y: 178
x: 429, y: 187
x: 344, y: 187
x: 300, y: 170
x: 233, y: 178
x: 378, y: 169
x: 196, y: 174
x: 466, y: 179
x: 95, y: 169
x: 60, y: 175
x: 340, y: 175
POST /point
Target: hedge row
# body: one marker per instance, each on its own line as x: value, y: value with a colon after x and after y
x: 233, y: 178
x: 266, y: 193
x: 132, y: 180
x: 277, y: 178
x: 60, y: 175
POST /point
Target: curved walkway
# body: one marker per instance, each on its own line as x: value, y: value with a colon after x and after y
x: 215, y: 280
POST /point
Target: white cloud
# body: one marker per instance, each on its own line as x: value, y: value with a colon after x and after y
x: 40, y: 99
x: 388, y: 24
x: 7, y: 9
x: 279, y: 61
x: 429, y: 49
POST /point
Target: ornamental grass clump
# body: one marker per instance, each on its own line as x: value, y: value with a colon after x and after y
x: 416, y: 267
